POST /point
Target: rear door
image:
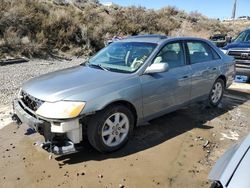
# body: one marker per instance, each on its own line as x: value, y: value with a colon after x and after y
x: 205, y: 64
x: 165, y: 91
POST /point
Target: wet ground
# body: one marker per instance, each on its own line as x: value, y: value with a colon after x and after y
x: 175, y: 150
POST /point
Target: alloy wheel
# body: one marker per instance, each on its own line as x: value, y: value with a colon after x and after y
x: 115, y: 129
x: 216, y: 92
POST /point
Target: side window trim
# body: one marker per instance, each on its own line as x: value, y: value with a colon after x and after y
x: 183, y: 46
x: 187, y: 53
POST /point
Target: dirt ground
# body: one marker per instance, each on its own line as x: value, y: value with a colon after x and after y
x: 175, y: 150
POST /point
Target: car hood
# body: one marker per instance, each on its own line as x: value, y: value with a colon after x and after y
x: 61, y: 84
x: 229, y: 165
x: 237, y: 45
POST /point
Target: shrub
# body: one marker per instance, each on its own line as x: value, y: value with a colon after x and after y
x: 37, y: 28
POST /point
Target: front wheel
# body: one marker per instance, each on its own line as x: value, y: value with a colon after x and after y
x: 216, y: 93
x: 109, y: 129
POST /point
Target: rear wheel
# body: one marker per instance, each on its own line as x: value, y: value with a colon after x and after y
x: 109, y: 129
x: 217, y: 92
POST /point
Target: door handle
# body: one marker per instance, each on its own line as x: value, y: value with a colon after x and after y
x: 214, y: 68
x: 183, y: 78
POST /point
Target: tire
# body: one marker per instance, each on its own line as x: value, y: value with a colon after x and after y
x: 216, y: 93
x: 106, y: 132
x: 248, y: 79
x: 216, y: 185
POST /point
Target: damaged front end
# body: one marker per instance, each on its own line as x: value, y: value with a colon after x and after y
x: 61, y: 136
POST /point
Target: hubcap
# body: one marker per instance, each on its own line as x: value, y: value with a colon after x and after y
x: 216, y: 92
x: 115, y: 129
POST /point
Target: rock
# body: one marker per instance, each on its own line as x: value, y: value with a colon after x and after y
x: 100, y: 176
x: 50, y: 157
x: 25, y: 40
x: 121, y: 186
x: 61, y: 2
x: 206, y: 143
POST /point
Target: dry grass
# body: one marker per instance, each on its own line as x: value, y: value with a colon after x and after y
x: 37, y: 28
x: 237, y: 26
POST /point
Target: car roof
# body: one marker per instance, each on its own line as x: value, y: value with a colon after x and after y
x: 145, y: 38
x: 156, y: 38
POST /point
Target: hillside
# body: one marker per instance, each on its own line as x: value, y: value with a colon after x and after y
x: 39, y: 28
x: 236, y: 26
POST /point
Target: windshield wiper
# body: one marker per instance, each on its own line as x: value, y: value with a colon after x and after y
x: 97, y: 66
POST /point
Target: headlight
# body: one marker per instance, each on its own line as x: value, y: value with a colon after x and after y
x: 60, y: 110
x: 224, y: 51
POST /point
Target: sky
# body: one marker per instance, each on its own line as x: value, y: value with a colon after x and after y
x: 211, y: 8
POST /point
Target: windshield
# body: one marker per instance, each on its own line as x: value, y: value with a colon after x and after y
x: 243, y: 37
x: 123, y: 56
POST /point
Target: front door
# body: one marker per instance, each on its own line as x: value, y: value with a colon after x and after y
x: 165, y: 91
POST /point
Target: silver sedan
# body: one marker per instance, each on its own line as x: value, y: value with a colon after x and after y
x: 124, y: 85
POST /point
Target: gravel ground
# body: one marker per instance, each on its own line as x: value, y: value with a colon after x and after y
x: 13, y: 76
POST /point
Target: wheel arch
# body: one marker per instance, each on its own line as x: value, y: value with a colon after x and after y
x: 223, y: 77
x: 124, y: 103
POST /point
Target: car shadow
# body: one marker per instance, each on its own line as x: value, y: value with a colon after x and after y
x: 162, y: 129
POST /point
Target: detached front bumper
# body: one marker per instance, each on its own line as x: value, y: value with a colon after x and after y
x: 60, y: 136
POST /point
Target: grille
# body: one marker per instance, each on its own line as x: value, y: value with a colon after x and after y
x: 242, y: 58
x: 30, y: 101
x: 243, y: 55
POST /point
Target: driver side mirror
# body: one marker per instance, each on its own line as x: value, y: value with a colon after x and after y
x: 157, y: 68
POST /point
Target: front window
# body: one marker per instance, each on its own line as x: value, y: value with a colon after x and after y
x: 172, y: 54
x: 243, y: 37
x: 123, y: 56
